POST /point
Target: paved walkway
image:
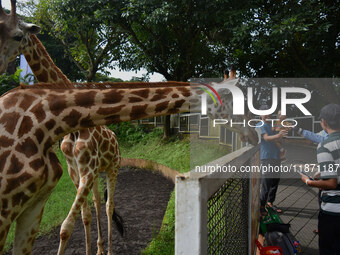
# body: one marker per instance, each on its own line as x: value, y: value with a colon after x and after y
x: 298, y: 202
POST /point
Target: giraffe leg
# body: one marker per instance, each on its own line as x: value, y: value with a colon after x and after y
x: 87, y: 219
x: 28, y: 226
x: 111, y: 177
x: 29, y: 220
x: 66, y: 229
x: 96, y: 201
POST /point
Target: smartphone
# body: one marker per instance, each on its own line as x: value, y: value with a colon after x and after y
x: 309, y: 177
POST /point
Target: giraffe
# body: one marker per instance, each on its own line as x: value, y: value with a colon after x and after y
x: 94, y: 141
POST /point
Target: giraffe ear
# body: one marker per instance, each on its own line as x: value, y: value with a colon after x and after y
x: 31, y: 28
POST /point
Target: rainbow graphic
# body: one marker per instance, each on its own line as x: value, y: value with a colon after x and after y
x: 209, y: 93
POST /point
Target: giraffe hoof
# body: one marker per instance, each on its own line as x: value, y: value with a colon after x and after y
x: 100, y: 251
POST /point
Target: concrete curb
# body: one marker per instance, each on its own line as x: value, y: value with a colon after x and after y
x: 150, y: 165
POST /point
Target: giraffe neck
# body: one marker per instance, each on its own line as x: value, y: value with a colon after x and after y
x: 57, y: 112
x: 41, y: 63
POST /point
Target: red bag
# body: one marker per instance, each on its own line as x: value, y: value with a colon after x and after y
x: 269, y: 249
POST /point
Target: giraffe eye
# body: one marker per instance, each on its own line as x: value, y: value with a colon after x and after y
x: 18, y: 38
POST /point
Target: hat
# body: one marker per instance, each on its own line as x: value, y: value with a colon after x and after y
x: 331, y: 114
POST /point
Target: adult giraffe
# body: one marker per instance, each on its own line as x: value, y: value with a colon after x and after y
x: 79, y: 147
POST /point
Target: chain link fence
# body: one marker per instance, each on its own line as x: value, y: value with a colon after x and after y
x: 217, y: 213
x: 228, y: 218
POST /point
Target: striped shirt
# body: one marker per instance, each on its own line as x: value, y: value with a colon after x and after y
x: 328, y: 154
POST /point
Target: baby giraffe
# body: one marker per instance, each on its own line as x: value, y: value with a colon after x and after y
x: 87, y: 152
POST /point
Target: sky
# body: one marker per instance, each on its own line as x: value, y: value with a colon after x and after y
x: 114, y: 73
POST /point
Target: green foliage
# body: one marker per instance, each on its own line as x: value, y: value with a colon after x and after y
x: 164, y: 243
x: 284, y: 39
x: 88, y: 39
x: 129, y: 133
x: 12, y: 81
x: 100, y: 77
x: 9, y: 82
x: 168, y: 37
x: 56, y: 51
x: 184, y: 39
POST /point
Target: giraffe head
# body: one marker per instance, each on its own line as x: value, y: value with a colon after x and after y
x: 12, y: 35
x: 225, y: 111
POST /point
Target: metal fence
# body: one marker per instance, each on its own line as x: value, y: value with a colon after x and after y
x: 217, y: 212
x: 228, y: 218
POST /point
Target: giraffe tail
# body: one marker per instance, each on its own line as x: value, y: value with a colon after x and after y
x: 119, y: 222
x: 117, y: 218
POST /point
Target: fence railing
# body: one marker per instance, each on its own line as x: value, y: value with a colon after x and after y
x: 218, y: 212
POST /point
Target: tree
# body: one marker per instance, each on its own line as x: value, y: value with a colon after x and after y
x: 89, y: 41
x: 57, y: 53
x: 52, y: 45
x: 168, y: 38
x: 189, y: 38
x: 285, y: 39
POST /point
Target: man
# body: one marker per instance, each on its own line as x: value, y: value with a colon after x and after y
x: 270, y: 158
x: 328, y: 156
x: 315, y: 138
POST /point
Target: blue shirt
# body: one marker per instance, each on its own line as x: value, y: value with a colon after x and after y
x: 316, y: 138
x: 269, y: 150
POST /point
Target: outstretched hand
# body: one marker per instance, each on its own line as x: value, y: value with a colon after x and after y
x: 283, y: 133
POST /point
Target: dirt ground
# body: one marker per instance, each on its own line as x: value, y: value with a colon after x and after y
x: 141, y: 199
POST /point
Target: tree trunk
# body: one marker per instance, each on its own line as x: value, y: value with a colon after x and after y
x: 90, y: 77
x: 166, y: 127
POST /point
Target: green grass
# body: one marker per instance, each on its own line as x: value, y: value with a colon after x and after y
x: 164, y: 242
x: 205, y: 151
x: 172, y: 154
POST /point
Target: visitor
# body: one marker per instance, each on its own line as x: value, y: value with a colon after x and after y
x: 270, y: 157
x: 315, y: 138
x: 328, y: 156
